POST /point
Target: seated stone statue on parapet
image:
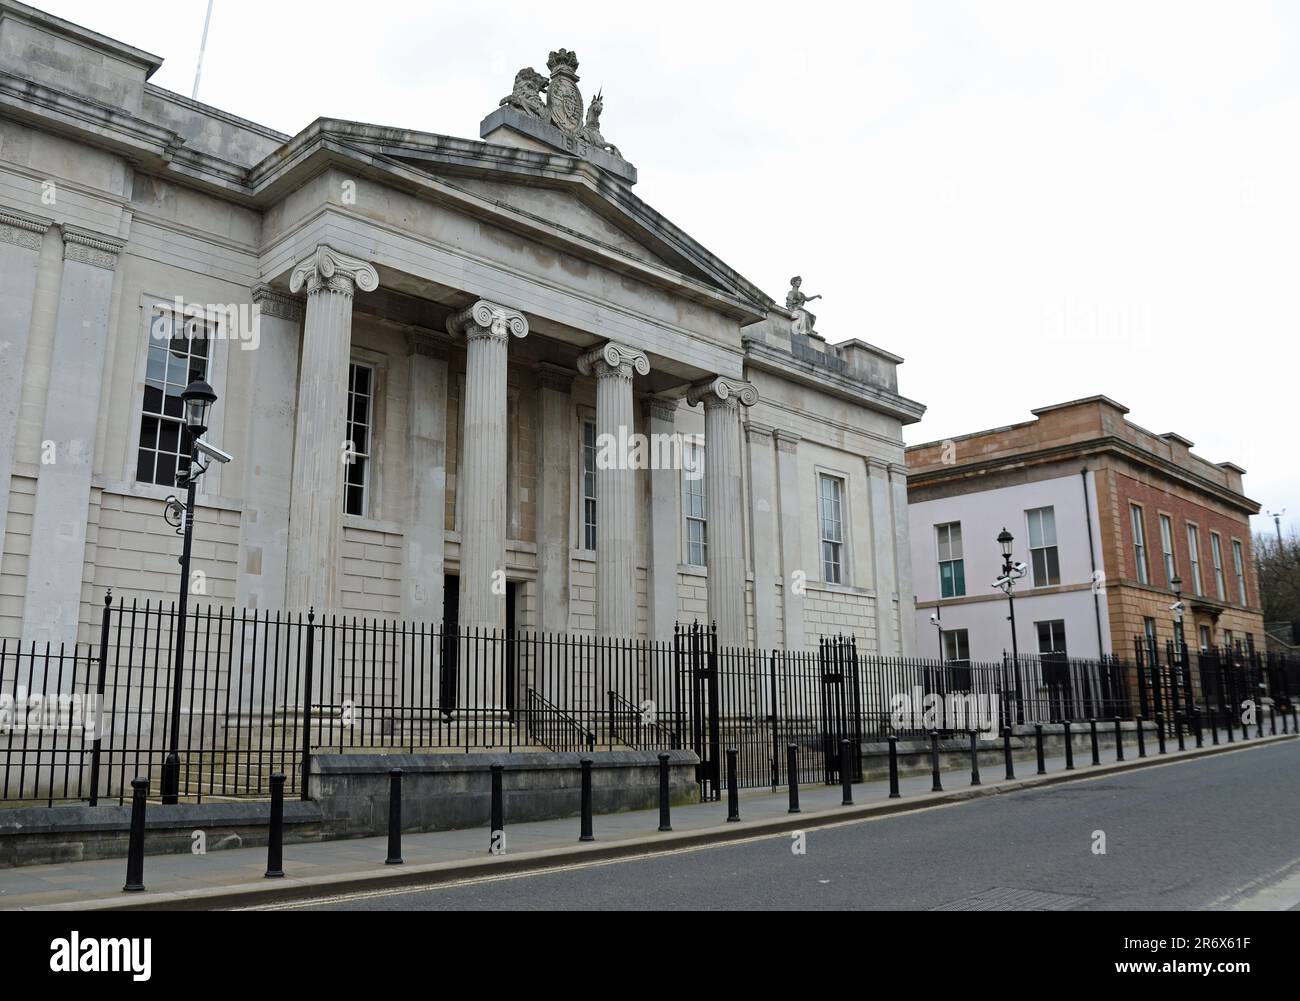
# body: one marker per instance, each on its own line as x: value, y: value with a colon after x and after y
x: 591, y: 131
x: 795, y: 301
x: 527, y: 95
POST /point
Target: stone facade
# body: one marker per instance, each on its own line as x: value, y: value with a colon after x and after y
x: 408, y: 334
x: 1097, y: 471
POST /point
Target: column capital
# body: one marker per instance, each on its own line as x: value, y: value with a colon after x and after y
x: 22, y: 230
x: 611, y: 358
x: 89, y: 247
x: 659, y: 409
x: 721, y: 391
x: 273, y: 303
x: 488, y: 319
x: 326, y: 270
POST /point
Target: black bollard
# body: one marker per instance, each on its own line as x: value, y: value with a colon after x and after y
x: 1096, y: 750
x: 1284, y: 721
x: 1069, y: 746
x: 1259, y: 720
x: 1038, y: 748
x: 1006, y: 752
x: 846, y: 775
x: 733, y: 795
x: 275, y: 839
x: 1214, y: 726
x: 665, y: 816
x: 1119, y: 741
x: 1196, y: 726
x: 974, y: 759
x: 936, y: 785
x: 893, y: 767
x: 498, y: 824
x: 135, y: 848
x: 394, y: 817
x: 1160, y: 731
x: 1295, y: 718
x: 1230, y: 723
x: 792, y: 770
x: 585, y: 834
x: 1142, y: 739
x: 1178, y: 726
x: 1272, y: 721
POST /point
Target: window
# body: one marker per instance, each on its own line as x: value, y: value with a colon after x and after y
x: 1167, y: 545
x: 831, y: 493
x: 1239, y: 567
x: 956, y: 645
x: 1204, y: 632
x: 1139, y: 545
x: 1149, y: 631
x: 1042, y: 546
x: 1216, y: 551
x: 1194, y: 551
x: 697, y: 535
x: 356, y: 484
x: 1051, y: 636
x: 952, y: 568
x: 178, y: 354
x: 589, y: 485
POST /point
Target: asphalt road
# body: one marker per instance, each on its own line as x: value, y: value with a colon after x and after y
x: 1215, y: 833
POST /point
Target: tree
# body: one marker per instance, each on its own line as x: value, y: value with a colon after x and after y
x: 1277, y: 564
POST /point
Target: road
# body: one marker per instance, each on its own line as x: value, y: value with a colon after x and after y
x: 1212, y: 833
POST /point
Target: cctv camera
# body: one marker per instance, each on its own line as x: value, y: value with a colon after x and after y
x: 934, y: 618
x: 1020, y: 568
x: 211, y: 451
x: 1177, y: 607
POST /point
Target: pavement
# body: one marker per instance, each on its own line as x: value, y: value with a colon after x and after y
x: 235, y: 877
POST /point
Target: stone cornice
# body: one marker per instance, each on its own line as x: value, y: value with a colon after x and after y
x: 326, y: 270
x: 488, y: 319
x: 88, y: 247
x: 656, y: 408
x: 613, y: 359
x: 271, y: 302
x: 720, y: 391
x: 23, y: 231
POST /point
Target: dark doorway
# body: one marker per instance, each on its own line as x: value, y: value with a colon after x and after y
x: 452, y: 646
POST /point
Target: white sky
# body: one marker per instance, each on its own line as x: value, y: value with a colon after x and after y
x: 1031, y: 202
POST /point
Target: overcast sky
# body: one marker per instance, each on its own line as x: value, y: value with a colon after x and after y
x: 1031, y: 202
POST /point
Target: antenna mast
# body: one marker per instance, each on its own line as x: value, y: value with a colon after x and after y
x: 198, y: 70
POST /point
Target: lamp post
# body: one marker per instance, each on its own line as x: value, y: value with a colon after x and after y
x: 197, y: 398
x: 1012, y: 572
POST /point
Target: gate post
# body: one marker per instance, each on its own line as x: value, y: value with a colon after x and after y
x: 776, y: 730
x: 308, y: 671
x: 99, y: 695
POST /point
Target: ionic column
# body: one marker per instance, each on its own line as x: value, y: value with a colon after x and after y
x: 665, y: 532
x: 612, y: 365
x: 263, y: 572
x: 765, y: 552
x: 794, y: 573
x: 320, y: 448
x: 21, y: 238
x: 52, y: 605
x: 885, y: 575
x: 487, y: 328
x: 725, y: 555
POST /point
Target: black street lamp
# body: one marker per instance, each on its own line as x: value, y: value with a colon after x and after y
x: 197, y: 398
x: 1012, y: 572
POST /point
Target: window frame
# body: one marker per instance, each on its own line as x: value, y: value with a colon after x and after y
x: 1052, y: 629
x: 367, y: 484
x: 825, y: 476
x: 1167, y: 546
x: 1216, y: 555
x: 688, y: 519
x: 1239, y: 569
x: 587, y: 530
x: 1138, y: 529
x: 1051, y: 551
x: 960, y: 643
x: 957, y: 564
x: 1194, y: 555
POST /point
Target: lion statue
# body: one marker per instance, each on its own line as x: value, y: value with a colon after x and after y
x: 527, y: 95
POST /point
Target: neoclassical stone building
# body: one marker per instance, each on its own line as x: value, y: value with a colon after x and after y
x: 419, y: 344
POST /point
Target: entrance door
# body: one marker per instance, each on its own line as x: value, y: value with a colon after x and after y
x: 451, y: 646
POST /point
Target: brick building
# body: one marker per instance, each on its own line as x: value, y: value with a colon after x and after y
x: 1105, y: 514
